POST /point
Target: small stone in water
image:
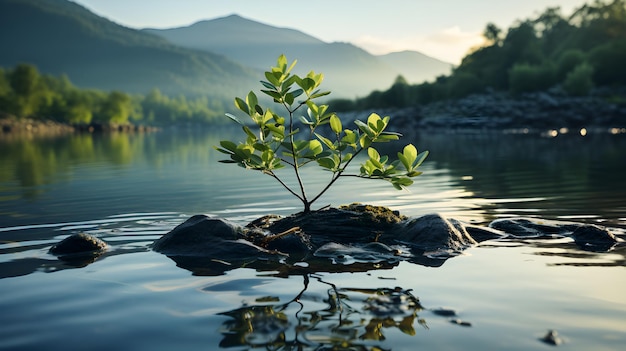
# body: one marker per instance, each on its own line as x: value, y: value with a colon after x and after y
x: 461, y: 322
x: 552, y: 338
x: 444, y: 312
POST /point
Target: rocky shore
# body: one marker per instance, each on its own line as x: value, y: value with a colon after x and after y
x: 550, y: 110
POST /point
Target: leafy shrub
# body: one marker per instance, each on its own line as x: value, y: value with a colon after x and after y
x: 278, y: 142
x: 579, y: 81
x: 608, y: 63
x: 567, y: 61
x: 527, y: 78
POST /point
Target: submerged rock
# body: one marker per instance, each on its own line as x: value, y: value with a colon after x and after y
x: 523, y: 227
x: 433, y: 232
x: 552, y: 338
x: 594, y: 238
x: 362, y: 237
x: 77, y: 245
x: 199, y: 235
x: 79, y: 250
x: 587, y: 236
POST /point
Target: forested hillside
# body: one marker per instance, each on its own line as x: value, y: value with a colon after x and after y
x: 24, y: 92
x: 61, y: 37
x: 571, y: 54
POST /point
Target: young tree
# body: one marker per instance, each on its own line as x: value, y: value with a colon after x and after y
x: 278, y: 143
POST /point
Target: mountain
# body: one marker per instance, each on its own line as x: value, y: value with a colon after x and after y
x: 349, y: 70
x: 417, y: 67
x: 61, y: 37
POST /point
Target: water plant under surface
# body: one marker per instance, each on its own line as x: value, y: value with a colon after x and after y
x: 279, y: 142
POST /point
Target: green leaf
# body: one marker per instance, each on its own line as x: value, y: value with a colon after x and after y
x: 335, y: 124
x: 267, y: 156
x: 234, y: 118
x: 251, y: 100
x: 372, y: 121
x: 326, y: 141
x: 304, y: 120
x: 307, y: 84
x: 292, y: 65
x: 228, y: 145
x: 350, y: 137
x: 249, y: 133
x: 365, y: 141
x: 241, y: 105
x: 316, y: 147
x: 365, y: 129
x: 420, y: 158
x: 405, y: 161
x: 258, y: 109
x: 268, y: 85
x: 297, y: 92
x: 289, y: 98
x: 278, y: 131
x: 373, y: 154
x: 288, y: 83
x: 275, y: 95
x: 410, y: 152
x: 384, y: 137
x: 272, y: 79
x: 327, y: 162
x: 316, y: 95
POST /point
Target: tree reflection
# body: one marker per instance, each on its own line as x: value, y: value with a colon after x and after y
x: 350, y: 319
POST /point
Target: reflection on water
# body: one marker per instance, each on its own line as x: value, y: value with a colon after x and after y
x: 474, y: 177
x: 130, y: 189
x: 345, y: 318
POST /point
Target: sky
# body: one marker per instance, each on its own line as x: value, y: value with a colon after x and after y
x: 444, y: 29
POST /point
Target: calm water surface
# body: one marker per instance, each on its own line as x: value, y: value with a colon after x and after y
x: 131, y: 189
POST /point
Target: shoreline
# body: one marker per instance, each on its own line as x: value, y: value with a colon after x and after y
x: 12, y: 125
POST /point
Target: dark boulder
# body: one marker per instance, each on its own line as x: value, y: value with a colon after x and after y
x: 197, y: 236
x: 78, y: 244
x: 361, y: 236
x: 594, y: 238
x: 523, y: 227
x: 79, y: 250
x: 433, y: 232
x: 350, y: 238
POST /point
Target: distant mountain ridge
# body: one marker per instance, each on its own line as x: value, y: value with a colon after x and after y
x: 220, y: 58
x: 349, y: 70
x: 61, y: 37
x: 417, y: 67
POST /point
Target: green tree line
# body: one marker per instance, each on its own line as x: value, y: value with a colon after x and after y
x: 25, y: 93
x: 576, y: 53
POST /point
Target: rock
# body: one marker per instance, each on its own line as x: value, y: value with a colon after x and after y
x: 199, y: 235
x: 433, y: 232
x: 370, y: 252
x: 79, y: 245
x: 348, y: 225
x: 587, y: 236
x: 481, y: 234
x: 532, y: 227
x: 552, y: 338
x: 350, y: 238
x: 445, y: 312
x: 594, y: 238
x: 79, y: 250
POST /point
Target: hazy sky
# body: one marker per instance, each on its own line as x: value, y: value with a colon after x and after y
x: 445, y: 29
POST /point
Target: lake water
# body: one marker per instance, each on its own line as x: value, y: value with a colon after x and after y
x: 129, y: 189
